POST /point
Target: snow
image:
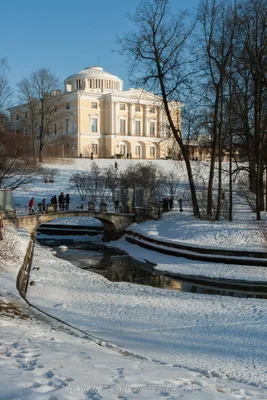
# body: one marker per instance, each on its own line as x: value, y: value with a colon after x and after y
x: 129, y: 341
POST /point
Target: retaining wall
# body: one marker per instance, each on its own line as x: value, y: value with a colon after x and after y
x: 23, y: 275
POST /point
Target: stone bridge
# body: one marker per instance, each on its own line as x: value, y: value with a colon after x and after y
x: 112, y: 222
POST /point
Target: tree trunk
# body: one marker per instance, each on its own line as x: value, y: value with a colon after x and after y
x: 213, y: 153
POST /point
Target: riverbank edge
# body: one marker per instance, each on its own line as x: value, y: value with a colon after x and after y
x: 216, y: 255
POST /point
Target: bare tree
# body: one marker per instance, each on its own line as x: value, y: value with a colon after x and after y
x: 218, y: 22
x: 158, y: 60
x: 167, y: 184
x: 5, y: 90
x: 41, y: 94
x: 16, y: 167
x: 111, y: 181
x: 254, y: 29
x: 137, y: 176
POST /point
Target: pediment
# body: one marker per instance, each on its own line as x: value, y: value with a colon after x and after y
x: 139, y: 94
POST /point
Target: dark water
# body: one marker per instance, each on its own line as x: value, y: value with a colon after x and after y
x: 122, y: 268
x: 117, y: 266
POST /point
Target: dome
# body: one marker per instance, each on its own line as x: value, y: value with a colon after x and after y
x: 93, y: 79
x: 93, y: 72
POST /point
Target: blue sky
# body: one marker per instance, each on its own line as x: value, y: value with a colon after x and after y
x: 66, y: 36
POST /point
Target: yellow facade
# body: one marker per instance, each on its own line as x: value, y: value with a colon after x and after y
x: 99, y: 117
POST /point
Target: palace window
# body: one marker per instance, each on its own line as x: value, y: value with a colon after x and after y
x: 137, y: 108
x: 94, y: 105
x: 122, y: 126
x: 67, y: 123
x: 26, y: 115
x: 152, y: 110
x: 67, y: 106
x: 152, y: 128
x: 137, y: 150
x: 94, y: 125
x: 138, y: 127
x: 122, y: 107
x: 17, y: 117
x: 122, y: 149
x: 78, y: 83
x: 152, y: 151
x: 55, y: 128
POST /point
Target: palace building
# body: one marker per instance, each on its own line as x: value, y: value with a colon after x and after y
x: 99, y: 117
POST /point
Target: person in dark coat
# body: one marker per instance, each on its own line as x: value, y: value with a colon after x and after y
x: 171, y: 202
x: 61, y: 201
x: 43, y: 206
x: 166, y: 204
x: 54, y: 202
x: 67, y: 201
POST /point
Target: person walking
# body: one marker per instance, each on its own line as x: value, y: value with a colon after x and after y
x: 171, y: 202
x: 31, y: 206
x: 181, y: 205
x: 67, y: 201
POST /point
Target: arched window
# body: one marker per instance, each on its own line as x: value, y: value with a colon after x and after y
x: 138, y: 151
x: 152, y: 151
x: 123, y: 149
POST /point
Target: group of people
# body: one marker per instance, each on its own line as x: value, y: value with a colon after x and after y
x: 63, y: 202
x: 167, y: 203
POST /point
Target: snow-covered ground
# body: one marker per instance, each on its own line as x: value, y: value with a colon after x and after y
x: 154, y: 343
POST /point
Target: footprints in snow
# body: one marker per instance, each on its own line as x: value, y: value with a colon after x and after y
x: 27, y: 358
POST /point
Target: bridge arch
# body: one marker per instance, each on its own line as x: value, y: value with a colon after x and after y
x: 112, y: 222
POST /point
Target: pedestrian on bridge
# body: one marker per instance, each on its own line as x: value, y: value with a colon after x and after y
x: 61, y: 201
x: 67, y: 201
x: 31, y: 206
x: 54, y: 202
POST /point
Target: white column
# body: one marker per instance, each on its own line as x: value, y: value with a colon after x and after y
x: 165, y: 126
x: 146, y: 132
x: 106, y: 117
x: 161, y: 122
x: 112, y: 118
x: 131, y: 119
x: 116, y: 118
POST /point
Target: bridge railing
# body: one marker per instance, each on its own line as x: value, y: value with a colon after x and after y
x: 73, y: 206
x: 96, y: 207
